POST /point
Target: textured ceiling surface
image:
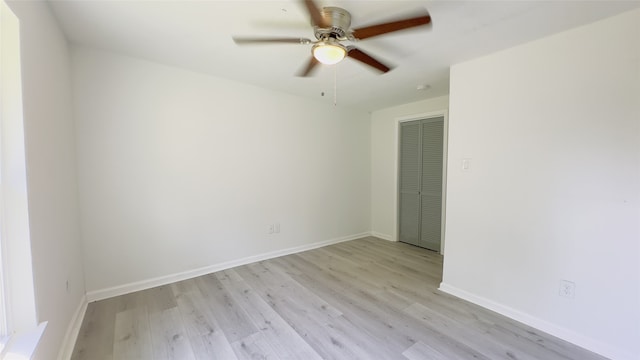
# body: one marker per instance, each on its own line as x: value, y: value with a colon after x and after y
x: 197, y: 35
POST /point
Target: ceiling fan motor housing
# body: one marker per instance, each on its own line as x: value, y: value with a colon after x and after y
x: 338, y: 20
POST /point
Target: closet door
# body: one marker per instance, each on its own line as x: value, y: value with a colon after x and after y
x: 431, y: 189
x: 410, y: 173
x: 420, y: 179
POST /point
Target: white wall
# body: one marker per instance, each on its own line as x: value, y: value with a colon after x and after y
x: 552, y: 129
x: 51, y: 172
x: 384, y: 161
x: 179, y: 170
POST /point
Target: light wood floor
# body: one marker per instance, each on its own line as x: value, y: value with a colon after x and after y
x: 362, y: 299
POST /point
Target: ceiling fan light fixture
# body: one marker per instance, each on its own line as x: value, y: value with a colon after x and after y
x: 329, y: 52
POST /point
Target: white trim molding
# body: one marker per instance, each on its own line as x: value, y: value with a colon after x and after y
x: 168, y: 279
x: 73, y: 330
x: 22, y: 345
x: 383, y: 236
x: 542, y: 325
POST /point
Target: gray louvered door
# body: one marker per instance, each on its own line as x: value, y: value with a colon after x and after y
x: 421, y: 156
x: 410, y: 173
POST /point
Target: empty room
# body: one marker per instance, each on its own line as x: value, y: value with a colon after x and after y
x: 319, y: 179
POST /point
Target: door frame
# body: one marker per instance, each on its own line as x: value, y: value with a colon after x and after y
x: 445, y: 145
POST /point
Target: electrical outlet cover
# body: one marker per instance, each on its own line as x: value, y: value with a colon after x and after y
x: 567, y: 289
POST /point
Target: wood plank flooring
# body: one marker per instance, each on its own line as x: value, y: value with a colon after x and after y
x: 361, y: 299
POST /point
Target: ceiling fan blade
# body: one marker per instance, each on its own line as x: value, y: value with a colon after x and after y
x: 365, y: 58
x: 250, y: 41
x: 309, y: 68
x: 375, y: 30
x: 316, y: 15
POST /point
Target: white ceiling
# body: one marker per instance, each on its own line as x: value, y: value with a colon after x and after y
x: 196, y: 35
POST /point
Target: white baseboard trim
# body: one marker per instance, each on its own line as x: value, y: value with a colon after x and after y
x: 71, y: 336
x: 168, y: 279
x: 542, y: 325
x: 382, y: 236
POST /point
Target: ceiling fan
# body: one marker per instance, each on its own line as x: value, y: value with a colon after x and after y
x: 332, y: 26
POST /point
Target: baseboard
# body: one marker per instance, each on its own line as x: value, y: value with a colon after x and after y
x: 542, y: 325
x: 382, y: 236
x: 168, y: 279
x: 71, y: 336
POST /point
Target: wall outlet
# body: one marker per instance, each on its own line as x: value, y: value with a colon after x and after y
x: 466, y: 165
x: 567, y: 289
x: 274, y: 228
